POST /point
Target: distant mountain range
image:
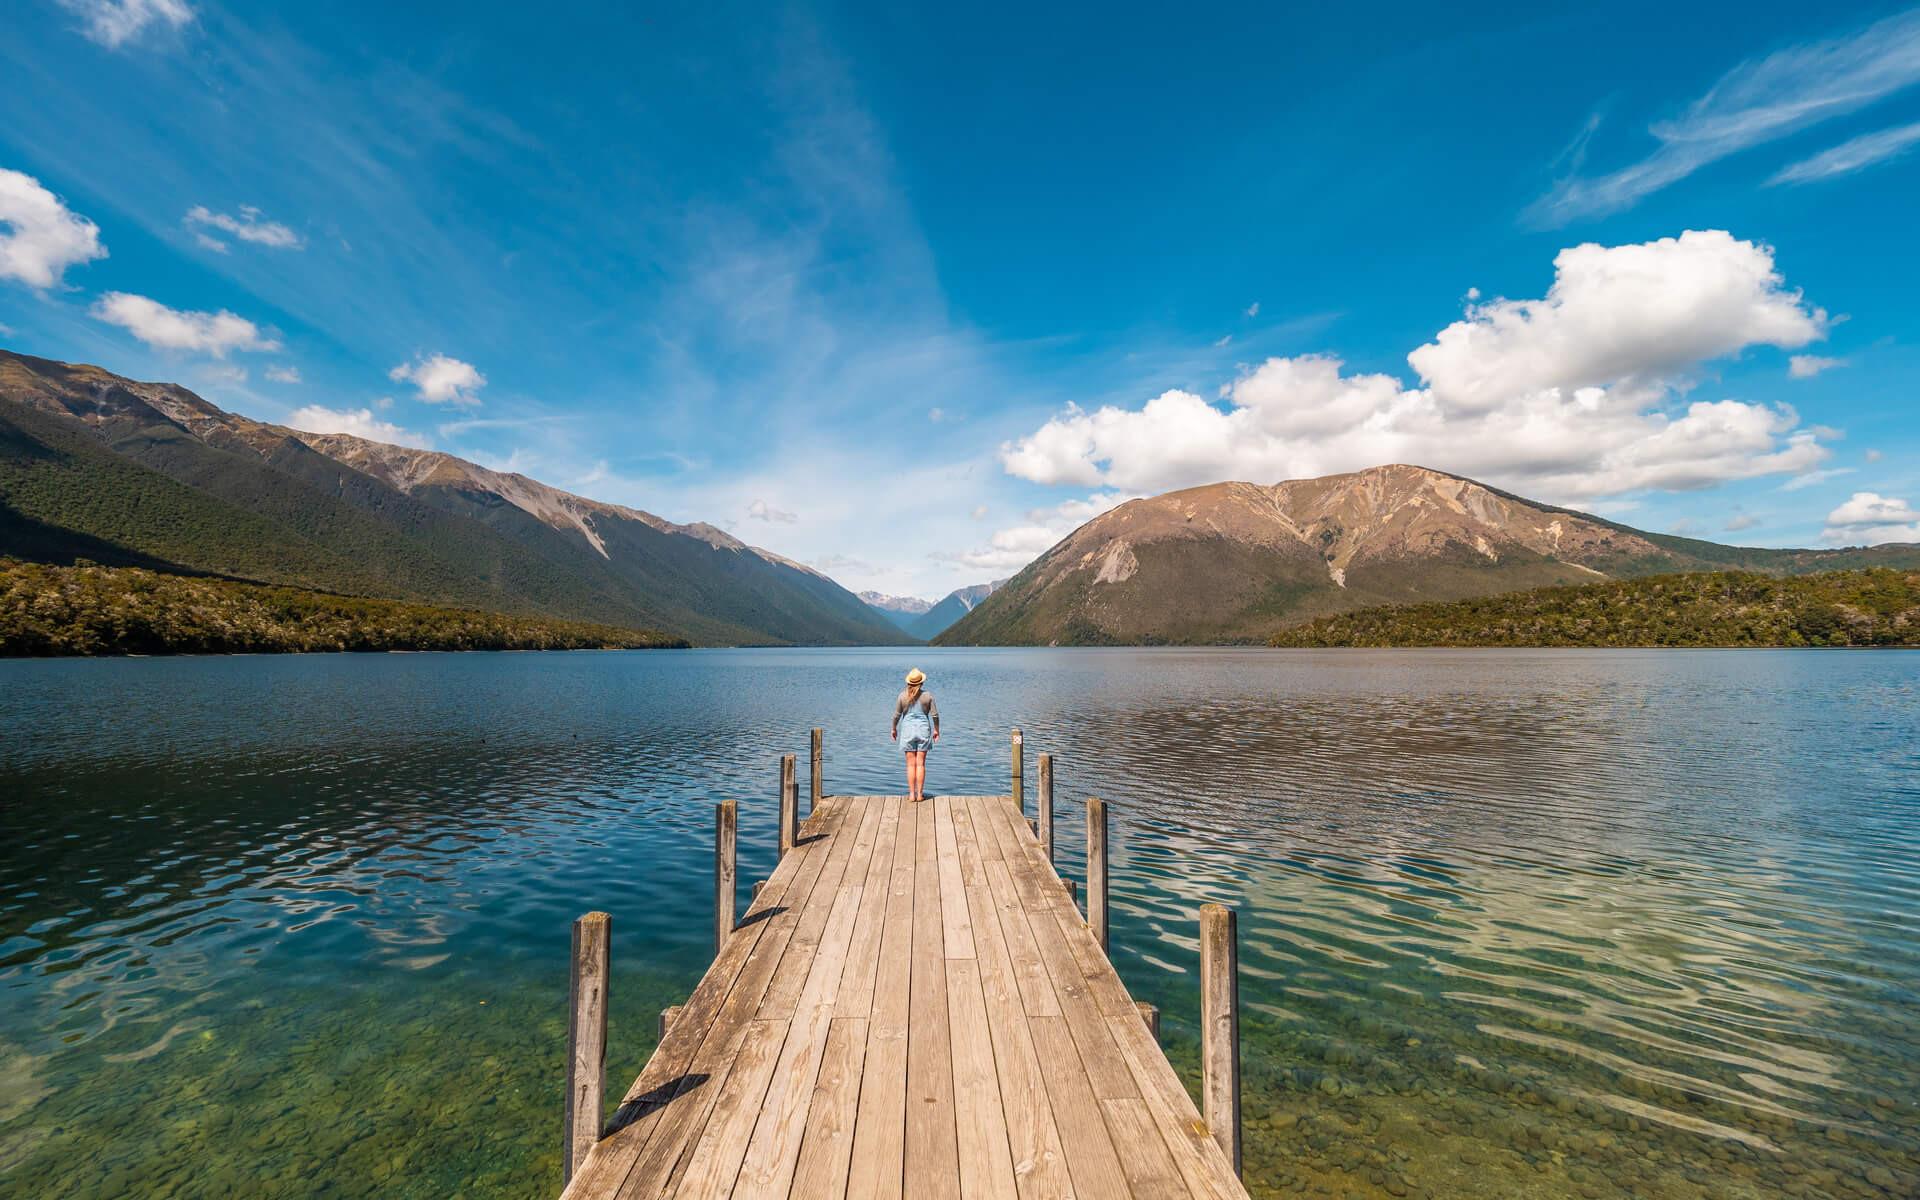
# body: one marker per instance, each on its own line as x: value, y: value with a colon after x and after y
x: 925, y: 619
x: 1234, y: 562
x: 95, y: 466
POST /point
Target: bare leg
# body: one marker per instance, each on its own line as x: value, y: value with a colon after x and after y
x: 909, y: 774
x: 921, y: 783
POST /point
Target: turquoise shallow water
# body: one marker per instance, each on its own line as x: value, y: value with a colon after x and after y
x: 1527, y: 923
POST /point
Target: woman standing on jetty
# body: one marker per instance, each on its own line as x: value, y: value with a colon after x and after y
x: 916, y: 715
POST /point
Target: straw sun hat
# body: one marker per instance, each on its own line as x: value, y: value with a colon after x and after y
x: 916, y: 676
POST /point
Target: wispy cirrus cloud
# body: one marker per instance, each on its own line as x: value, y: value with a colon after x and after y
x: 117, y: 23
x: 250, y: 226
x: 1756, y: 102
x: 1856, y: 154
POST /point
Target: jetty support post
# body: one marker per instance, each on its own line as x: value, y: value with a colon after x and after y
x: 1044, y: 802
x: 1148, y: 1013
x: 668, y: 1016
x: 1097, y: 870
x: 586, y: 1039
x: 1220, y: 1026
x: 726, y: 831
x: 1019, y: 775
x: 789, y: 805
x: 819, y: 788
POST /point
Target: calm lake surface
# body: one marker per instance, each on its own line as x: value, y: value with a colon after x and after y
x: 1513, y: 923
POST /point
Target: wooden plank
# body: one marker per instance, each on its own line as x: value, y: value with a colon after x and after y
x: 956, y: 928
x: 1195, y: 1154
x: 1091, y: 1158
x: 783, y: 992
x: 980, y: 1122
x: 1037, y: 997
x: 702, y: 1043
x: 715, y: 1158
x: 879, y: 1137
x: 774, y: 1151
x: 586, y: 1039
x: 932, y: 1165
x: 1108, y: 1075
x: 863, y: 950
x: 1143, y: 1154
x: 1033, y: 1142
x: 827, y: 1149
x: 1102, y: 983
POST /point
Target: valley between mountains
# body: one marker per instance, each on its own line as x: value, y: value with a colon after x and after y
x: 101, y: 469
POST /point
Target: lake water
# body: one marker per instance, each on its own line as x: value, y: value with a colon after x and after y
x: 1513, y: 923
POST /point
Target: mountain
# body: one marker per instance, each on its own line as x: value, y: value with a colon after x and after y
x: 901, y: 610
x: 957, y: 603
x: 124, y: 473
x: 1234, y: 562
x: 924, y: 618
x: 1875, y: 607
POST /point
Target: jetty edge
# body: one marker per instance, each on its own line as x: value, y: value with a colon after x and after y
x: 912, y: 1005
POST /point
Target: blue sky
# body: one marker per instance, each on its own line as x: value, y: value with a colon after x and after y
x: 907, y: 292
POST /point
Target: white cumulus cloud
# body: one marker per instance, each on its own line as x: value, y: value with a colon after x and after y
x: 360, y: 422
x: 40, y: 237
x: 1014, y: 547
x: 114, y: 23
x: 1572, y: 396
x: 1806, y: 366
x: 441, y: 380
x: 249, y: 226
x: 216, y: 333
x: 1870, y: 518
x: 284, y: 374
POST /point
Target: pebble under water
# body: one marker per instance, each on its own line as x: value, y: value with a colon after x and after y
x: 1513, y: 923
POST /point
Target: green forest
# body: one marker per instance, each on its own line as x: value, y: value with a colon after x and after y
x: 1874, y: 607
x: 48, y: 611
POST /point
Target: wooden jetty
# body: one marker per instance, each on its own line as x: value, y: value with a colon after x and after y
x: 913, y: 1005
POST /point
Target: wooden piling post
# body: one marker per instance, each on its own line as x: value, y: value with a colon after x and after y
x: 1019, y: 774
x: 726, y: 828
x: 819, y: 771
x: 586, y: 1039
x: 1044, y: 802
x: 1097, y: 870
x: 1220, y: 1027
x: 758, y: 886
x: 789, y: 805
x: 1073, y: 893
x: 1149, y: 1014
x: 668, y: 1016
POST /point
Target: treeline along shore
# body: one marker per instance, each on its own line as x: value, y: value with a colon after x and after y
x: 84, y: 610
x: 1875, y: 607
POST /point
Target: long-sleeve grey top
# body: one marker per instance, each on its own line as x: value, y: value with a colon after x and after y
x: 926, y: 704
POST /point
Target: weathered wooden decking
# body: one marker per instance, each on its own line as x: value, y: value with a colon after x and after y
x: 912, y: 1007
